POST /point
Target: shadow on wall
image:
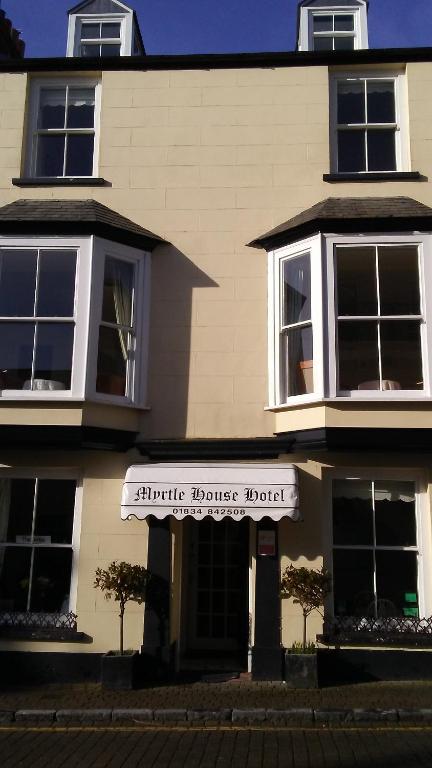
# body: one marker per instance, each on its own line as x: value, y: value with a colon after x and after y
x: 174, y: 277
x: 304, y: 539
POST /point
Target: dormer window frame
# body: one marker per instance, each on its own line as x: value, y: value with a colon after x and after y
x: 76, y: 22
x: 333, y: 33
x: 306, y: 29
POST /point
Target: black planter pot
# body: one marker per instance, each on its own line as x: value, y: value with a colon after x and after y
x: 120, y: 672
x: 301, y: 670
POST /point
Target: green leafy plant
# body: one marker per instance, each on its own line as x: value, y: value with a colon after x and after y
x: 297, y: 647
x: 308, y: 587
x: 123, y: 582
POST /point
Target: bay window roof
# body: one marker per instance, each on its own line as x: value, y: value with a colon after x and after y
x: 350, y: 214
x: 74, y: 217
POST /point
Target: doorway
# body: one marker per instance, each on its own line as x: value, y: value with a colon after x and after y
x: 216, y: 592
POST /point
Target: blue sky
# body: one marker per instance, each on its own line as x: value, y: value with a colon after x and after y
x: 218, y: 26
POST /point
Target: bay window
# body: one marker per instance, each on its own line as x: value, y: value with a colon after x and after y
x: 379, y: 318
x: 375, y: 548
x: 295, y: 310
x: 348, y: 318
x: 116, y: 330
x: 37, y: 318
x: 73, y: 319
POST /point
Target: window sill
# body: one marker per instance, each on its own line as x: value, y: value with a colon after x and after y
x: 368, y: 177
x: 54, y: 181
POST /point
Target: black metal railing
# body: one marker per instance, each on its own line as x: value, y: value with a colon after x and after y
x: 386, y: 630
x: 35, y: 626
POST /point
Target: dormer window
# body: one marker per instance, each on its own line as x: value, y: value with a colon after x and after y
x: 323, y: 27
x: 333, y: 31
x: 101, y: 38
x: 100, y: 28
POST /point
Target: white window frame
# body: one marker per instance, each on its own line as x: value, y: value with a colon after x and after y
x: 423, y: 527
x: 360, y: 33
x: 76, y: 20
x: 137, y: 384
x: 69, y: 473
x: 423, y: 242
x: 401, y: 125
x: 36, y: 86
x: 354, y: 33
x: 275, y: 299
x: 91, y: 252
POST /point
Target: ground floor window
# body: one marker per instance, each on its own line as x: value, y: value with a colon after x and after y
x: 36, y: 544
x: 375, y: 548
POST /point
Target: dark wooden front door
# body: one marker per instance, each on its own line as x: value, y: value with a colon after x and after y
x: 217, y: 600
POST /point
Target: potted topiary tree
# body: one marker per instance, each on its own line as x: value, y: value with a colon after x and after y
x: 123, y: 582
x: 309, y: 588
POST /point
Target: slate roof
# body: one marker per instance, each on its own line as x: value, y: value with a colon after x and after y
x: 73, y: 217
x: 350, y: 214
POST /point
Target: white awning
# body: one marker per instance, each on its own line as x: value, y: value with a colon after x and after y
x: 211, y: 490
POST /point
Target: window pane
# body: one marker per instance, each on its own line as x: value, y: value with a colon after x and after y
x: 358, y: 355
x: 50, y: 155
x: 52, y: 108
x: 352, y: 512
x: 297, y: 361
x: 401, y: 354
x: 17, y: 283
x: 353, y: 582
x: 55, y: 511
x: 399, y: 280
x: 110, y: 50
x: 56, y: 290
x: 14, y: 578
x: 112, y: 361
x: 81, y: 102
x: 296, y: 290
x: 381, y: 150
x: 356, y: 281
x: 110, y: 29
x: 90, y: 49
x: 351, y: 151
x: 53, y: 358
x: 323, y: 23
x: 16, y: 354
x: 380, y: 101
x: 16, y: 510
x: 344, y: 43
x: 90, y: 31
x: 344, y: 23
x: 323, y: 43
x: 51, y: 580
x: 396, y: 574
x: 395, y: 520
x: 351, y: 102
x: 118, y: 292
x: 79, y: 156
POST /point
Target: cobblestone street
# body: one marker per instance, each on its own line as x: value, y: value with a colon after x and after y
x: 196, y: 747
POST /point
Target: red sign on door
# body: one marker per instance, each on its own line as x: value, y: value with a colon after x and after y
x: 266, y: 543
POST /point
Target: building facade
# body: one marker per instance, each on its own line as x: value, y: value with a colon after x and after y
x: 215, y: 299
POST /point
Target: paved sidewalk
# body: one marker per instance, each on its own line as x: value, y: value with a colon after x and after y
x: 225, y: 698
